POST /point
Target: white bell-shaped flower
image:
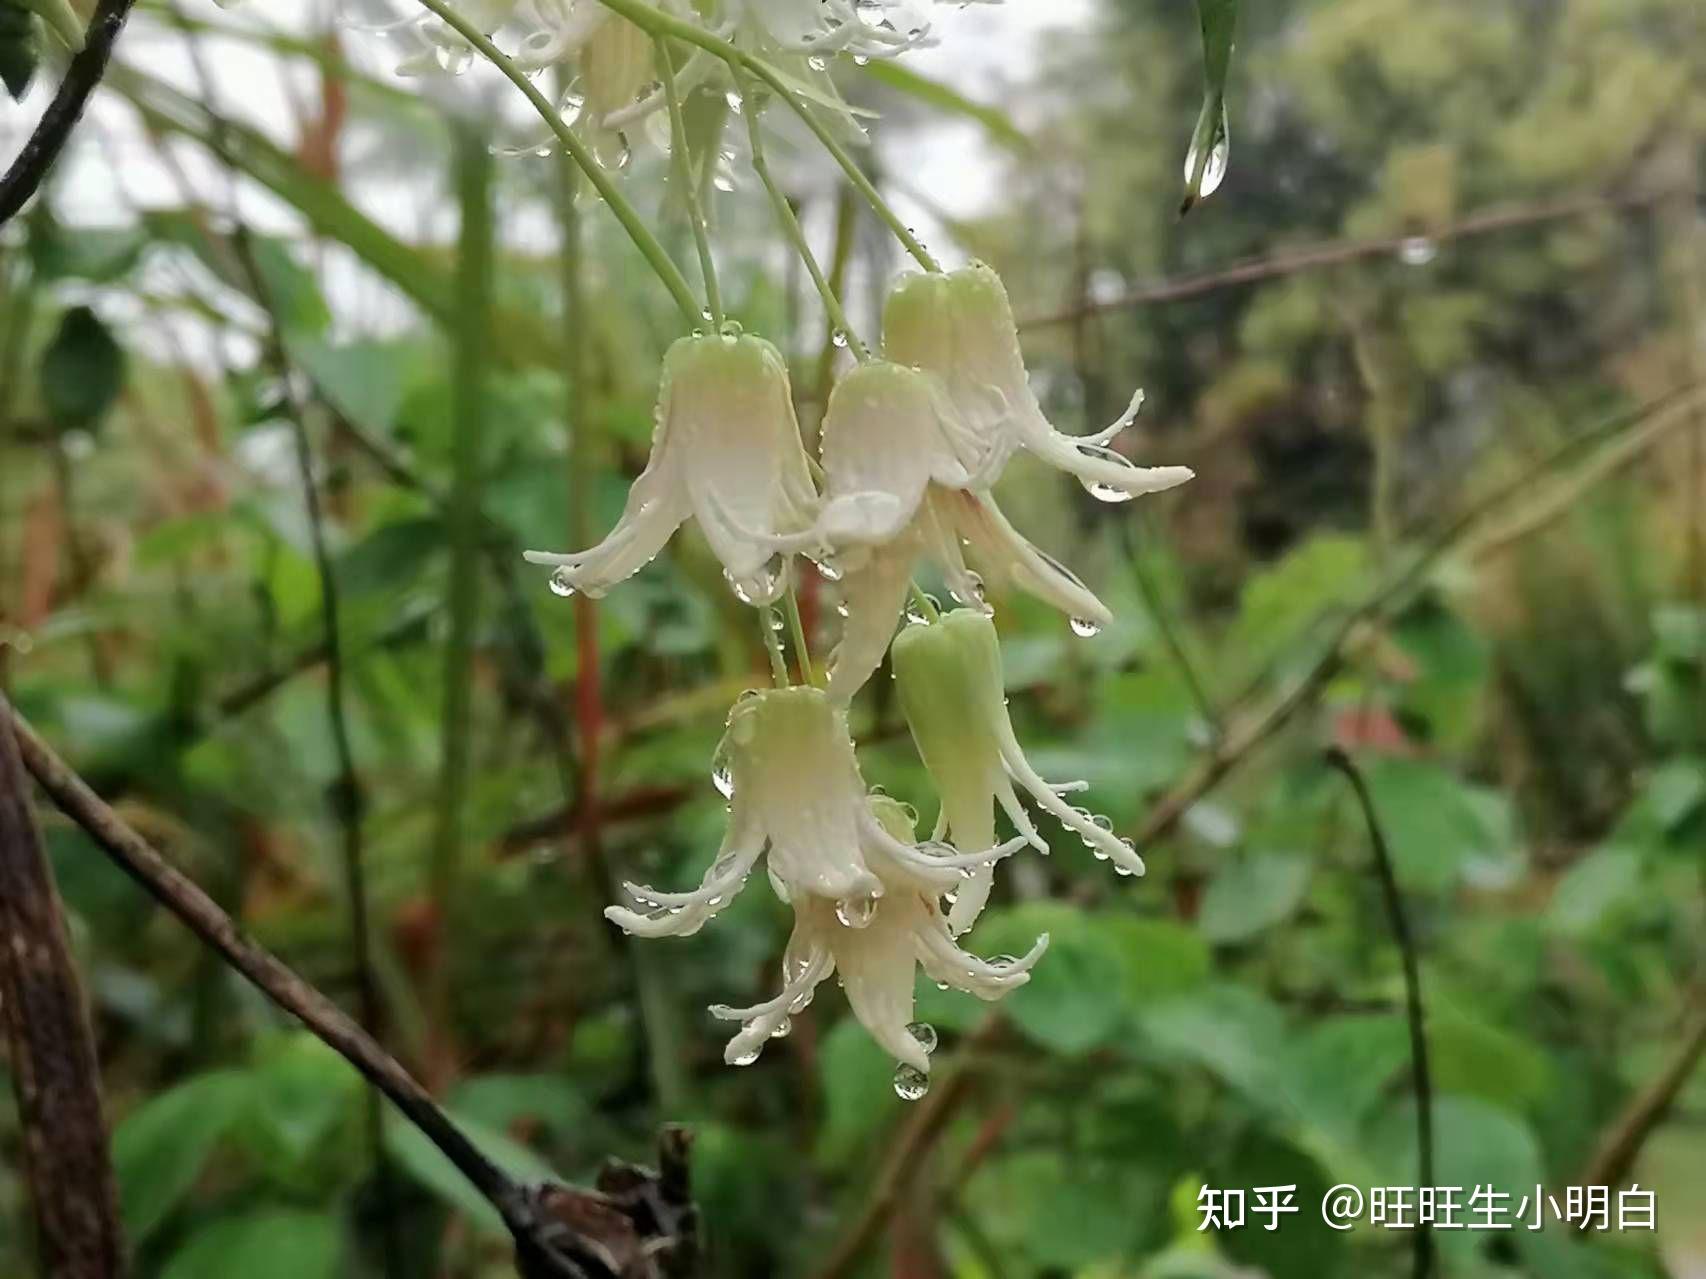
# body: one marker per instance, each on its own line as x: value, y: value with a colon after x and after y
x: 726, y: 450
x: 948, y: 676
x: 878, y: 962
x: 788, y: 767
x: 898, y: 463
x: 960, y: 327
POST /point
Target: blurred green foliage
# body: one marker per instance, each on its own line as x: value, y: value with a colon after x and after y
x: 1531, y: 718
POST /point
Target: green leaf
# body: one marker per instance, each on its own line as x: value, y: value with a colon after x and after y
x: 1302, y: 1246
x: 1206, y: 159
x: 1252, y: 894
x: 303, y: 1122
x: 160, y: 1148
x: 1476, y: 1058
x: 82, y: 370
x: 19, y: 51
x: 416, y: 1155
x: 1234, y: 1033
x: 1593, y: 889
x: 262, y: 1245
x: 1435, y: 824
x: 1475, y: 1143
x: 1162, y: 957
x: 1072, y: 1002
x: 947, y: 100
x: 858, y: 1091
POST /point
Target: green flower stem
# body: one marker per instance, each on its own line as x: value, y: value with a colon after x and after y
x: 772, y: 645
x: 626, y: 214
x: 656, y: 22
x: 689, y: 185
x: 798, y: 626
x: 791, y: 226
x: 925, y: 603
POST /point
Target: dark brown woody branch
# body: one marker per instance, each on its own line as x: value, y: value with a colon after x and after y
x: 53, y: 130
x: 67, y: 1167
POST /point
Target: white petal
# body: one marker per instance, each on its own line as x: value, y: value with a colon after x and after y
x: 1098, y: 837
x: 1006, y: 554
x: 945, y: 962
x: 682, y: 914
x: 874, y: 596
x: 878, y: 968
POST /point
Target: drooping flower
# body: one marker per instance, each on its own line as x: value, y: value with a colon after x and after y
x: 861, y: 28
x: 725, y: 450
x: 960, y: 327
x: 878, y: 963
x: 899, y: 463
x: 948, y: 676
x: 788, y: 767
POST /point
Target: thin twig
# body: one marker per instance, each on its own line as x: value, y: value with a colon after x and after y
x: 68, y: 1169
x: 553, y: 1249
x: 1414, y: 1014
x: 53, y: 130
x: 1615, y: 1152
x: 1337, y: 252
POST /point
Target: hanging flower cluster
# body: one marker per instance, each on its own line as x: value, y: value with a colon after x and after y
x: 615, y: 83
x: 912, y: 444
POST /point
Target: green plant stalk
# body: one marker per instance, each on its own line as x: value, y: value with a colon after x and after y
x: 647, y: 243
x: 797, y: 625
x: 773, y: 646
x: 655, y: 22
x: 791, y: 225
x: 689, y: 185
x: 474, y: 276
x: 925, y: 603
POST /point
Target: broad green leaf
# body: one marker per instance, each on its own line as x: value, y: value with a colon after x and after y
x: 1072, y: 1002
x: 160, y: 1148
x: 1161, y: 957
x: 1593, y: 889
x: 1252, y: 894
x: 263, y: 1245
x: 1026, y: 1199
x: 305, y: 1111
x: 1435, y: 824
x: 1302, y: 1245
x: 82, y: 371
x: 1477, y: 1058
x: 1236, y: 1034
x: 1279, y: 601
x: 1475, y: 1143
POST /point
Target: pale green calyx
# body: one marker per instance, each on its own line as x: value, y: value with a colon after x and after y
x: 948, y: 676
x: 726, y: 451
x: 960, y: 326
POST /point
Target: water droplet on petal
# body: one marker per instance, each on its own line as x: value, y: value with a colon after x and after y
x: 722, y: 776
x: 801, y: 1002
x: 857, y: 912
x: 745, y: 1058
x: 910, y: 1083
x: 782, y: 1028
x: 1084, y: 628
x: 1107, y: 492
x: 925, y: 1034
x: 562, y: 583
